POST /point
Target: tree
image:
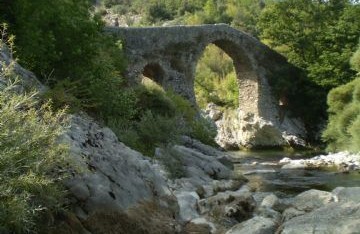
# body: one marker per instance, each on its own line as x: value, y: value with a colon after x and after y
x: 53, y: 35
x: 343, y: 129
x: 245, y: 14
x: 318, y: 36
x: 63, y: 43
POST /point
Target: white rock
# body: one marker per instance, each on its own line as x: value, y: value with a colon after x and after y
x: 256, y: 225
x: 343, y: 160
x: 312, y: 199
x: 188, y: 204
x: 347, y: 194
x: 270, y: 201
x: 112, y: 176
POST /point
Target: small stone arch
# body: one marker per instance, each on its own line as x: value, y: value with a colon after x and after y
x: 155, y: 72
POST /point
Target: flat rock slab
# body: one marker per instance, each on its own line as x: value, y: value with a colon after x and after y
x: 256, y: 225
x: 334, y: 218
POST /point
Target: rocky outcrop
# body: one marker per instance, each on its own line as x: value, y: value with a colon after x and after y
x: 114, y: 178
x: 324, y: 212
x: 237, y: 129
x: 207, y: 186
x: 312, y: 211
x: 256, y: 225
x: 111, y: 175
x: 111, y: 186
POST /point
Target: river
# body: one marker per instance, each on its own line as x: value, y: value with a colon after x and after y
x: 264, y: 172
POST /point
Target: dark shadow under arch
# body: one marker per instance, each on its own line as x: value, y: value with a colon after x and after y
x: 155, y: 72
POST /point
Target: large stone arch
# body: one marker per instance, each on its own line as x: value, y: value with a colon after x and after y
x: 247, y: 78
x: 177, y: 50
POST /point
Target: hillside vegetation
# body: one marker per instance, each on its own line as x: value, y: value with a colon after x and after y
x: 31, y: 158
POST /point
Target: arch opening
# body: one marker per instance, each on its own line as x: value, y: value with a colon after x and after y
x: 153, y: 72
x: 237, y: 88
x: 216, y: 79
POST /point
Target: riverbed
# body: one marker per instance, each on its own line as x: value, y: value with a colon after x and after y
x: 264, y: 172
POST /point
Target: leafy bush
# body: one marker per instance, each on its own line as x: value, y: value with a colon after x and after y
x: 204, y: 130
x: 64, y: 45
x: 183, y: 107
x: 29, y: 152
x: 153, y: 130
x: 342, y: 132
x: 152, y: 97
x: 343, y: 129
x: 158, y: 11
x: 160, y: 120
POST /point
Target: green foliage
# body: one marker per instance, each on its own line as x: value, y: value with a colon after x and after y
x: 182, y: 106
x: 343, y: 130
x: 30, y: 194
x: 204, y: 130
x: 62, y: 94
x: 355, y: 60
x: 52, y: 36
x: 241, y: 14
x: 216, y: 80
x: 158, y: 11
x: 152, y: 97
x: 151, y: 131
x: 160, y: 119
x: 245, y: 14
x: 344, y: 107
x: 318, y: 36
x: 64, y: 45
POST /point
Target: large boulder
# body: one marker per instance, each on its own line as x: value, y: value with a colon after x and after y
x: 109, y: 175
x: 334, y: 218
x: 256, y: 225
x: 317, y: 211
x: 342, y: 194
x: 188, y: 204
x: 312, y: 199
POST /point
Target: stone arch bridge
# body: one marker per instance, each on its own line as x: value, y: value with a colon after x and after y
x: 169, y: 56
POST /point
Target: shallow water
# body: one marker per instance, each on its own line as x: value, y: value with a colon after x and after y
x: 265, y: 174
